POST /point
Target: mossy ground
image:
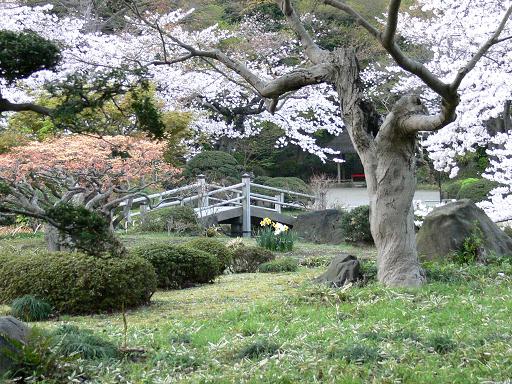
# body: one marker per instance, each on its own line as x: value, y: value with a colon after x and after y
x: 278, y: 328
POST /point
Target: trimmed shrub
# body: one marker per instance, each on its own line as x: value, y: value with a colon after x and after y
x: 178, y: 266
x: 284, y: 264
x: 172, y: 219
x: 355, y: 224
x: 476, y: 189
x: 451, y: 189
x: 215, y: 165
x: 30, y: 308
x: 248, y: 259
x: 214, y: 247
x: 76, y: 283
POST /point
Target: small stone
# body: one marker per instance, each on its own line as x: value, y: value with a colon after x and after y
x: 343, y: 269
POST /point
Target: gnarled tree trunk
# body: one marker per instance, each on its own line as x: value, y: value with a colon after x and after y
x: 388, y: 156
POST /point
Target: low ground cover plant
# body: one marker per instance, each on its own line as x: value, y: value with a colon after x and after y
x: 31, y: 308
x: 355, y: 224
x: 282, y: 264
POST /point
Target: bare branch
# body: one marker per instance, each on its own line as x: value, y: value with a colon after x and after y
x: 313, y: 51
x: 417, y: 123
x: 389, y: 35
x: 493, y: 40
x: 352, y: 12
x: 7, y: 106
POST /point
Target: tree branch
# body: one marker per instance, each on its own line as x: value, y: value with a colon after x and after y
x: 7, y: 106
x: 360, y: 19
x: 493, y: 40
x: 313, y: 51
x: 388, y: 37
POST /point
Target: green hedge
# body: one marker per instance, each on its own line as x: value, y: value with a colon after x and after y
x: 214, y: 247
x: 355, y: 224
x: 215, y: 165
x: 172, y: 219
x: 75, y: 283
x: 283, y: 264
x: 247, y: 259
x: 476, y: 189
x: 178, y: 266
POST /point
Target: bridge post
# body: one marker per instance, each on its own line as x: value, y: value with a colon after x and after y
x: 280, y: 199
x: 246, y: 205
x: 203, y: 199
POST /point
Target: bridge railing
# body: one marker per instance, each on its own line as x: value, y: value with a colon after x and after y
x: 208, y: 199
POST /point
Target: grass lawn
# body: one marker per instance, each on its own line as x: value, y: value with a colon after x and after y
x: 279, y: 328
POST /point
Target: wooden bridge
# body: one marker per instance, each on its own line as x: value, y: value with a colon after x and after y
x: 239, y: 204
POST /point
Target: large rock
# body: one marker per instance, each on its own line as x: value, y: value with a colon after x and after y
x: 11, y: 329
x: 445, y: 229
x: 343, y: 269
x: 320, y: 226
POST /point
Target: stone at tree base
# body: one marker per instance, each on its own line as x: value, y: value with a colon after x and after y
x: 320, y: 226
x: 445, y: 229
x: 343, y: 269
x: 10, y: 329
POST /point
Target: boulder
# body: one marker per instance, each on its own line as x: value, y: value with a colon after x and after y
x: 445, y: 229
x: 343, y: 269
x: 11, y: 329
x: 320, y: 226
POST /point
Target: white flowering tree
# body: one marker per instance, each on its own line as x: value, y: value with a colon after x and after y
x: 389, y: 156
x: 191, y: 66
x: 454, y: 33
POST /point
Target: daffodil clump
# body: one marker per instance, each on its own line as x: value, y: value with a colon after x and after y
x: 275, y: 236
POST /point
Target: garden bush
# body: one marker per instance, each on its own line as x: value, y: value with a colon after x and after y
x: 214, y: 247
x: 355, y: 224
x: 30, y: 308
x: 173, y: 219
x: 215, y: 165
x: 76, y: 283
x: 476, y: 189
x: 284, y: 264
x: 247, y: 259
x: 178, y: 266
x: 451, y: 189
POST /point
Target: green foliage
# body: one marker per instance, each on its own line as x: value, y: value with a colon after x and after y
x: 76, y: 283
x: 179, y: 266
x: 281, y: 242
x: 475, y: 189
x: 30, y: 308
x: 39, y: 362
x: 148, y: 116
x: 176, y: 131
x: 215, y: 165
x: 172, y: 219
x: 284, y: 264
x: 355, y: 224
x: 247, y: 259
x: 215, y: 248
x: 451, y: 189
x: 471, y: 249
x: 23, y: 53
x: 473, y: 164
x: 70, y: 340
x: 441, y: 343
x: 358, y: 353
x: 89, y: 231
x: 258, y: 348
x: 316, y: 261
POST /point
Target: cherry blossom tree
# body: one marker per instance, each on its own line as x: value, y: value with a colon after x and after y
x: 389, y: 156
